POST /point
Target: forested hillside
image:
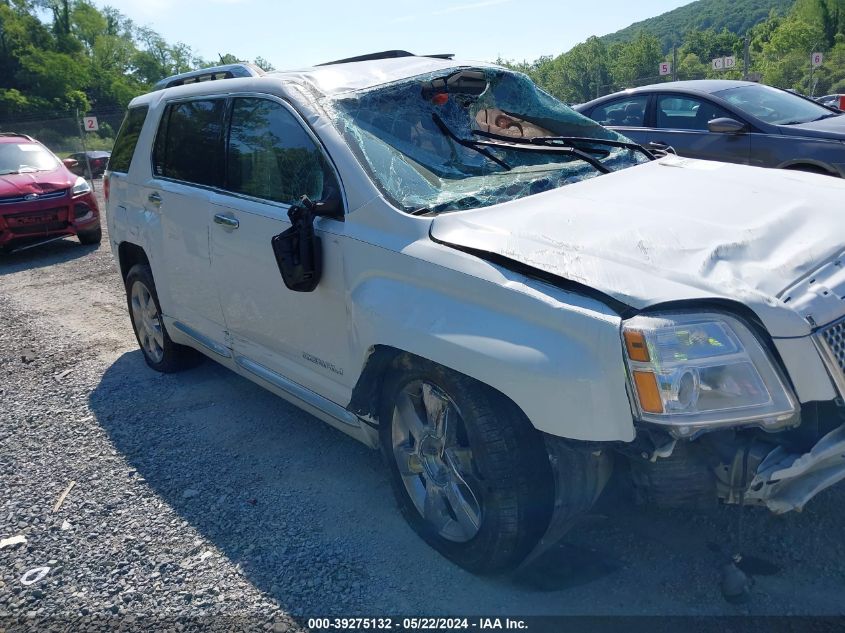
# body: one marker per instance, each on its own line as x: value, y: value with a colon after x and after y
x: 780, y: 46
x: 58, y: 57
x: 80, y: 57
x: 737, y: 16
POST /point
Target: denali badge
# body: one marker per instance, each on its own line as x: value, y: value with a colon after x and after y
x: 322, y: 363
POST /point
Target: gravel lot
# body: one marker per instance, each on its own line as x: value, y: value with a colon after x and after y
x: 200, y: 494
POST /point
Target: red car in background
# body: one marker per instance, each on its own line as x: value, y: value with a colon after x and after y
x: 40, y: 199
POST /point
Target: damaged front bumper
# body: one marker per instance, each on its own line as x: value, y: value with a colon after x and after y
x: 786, y: 481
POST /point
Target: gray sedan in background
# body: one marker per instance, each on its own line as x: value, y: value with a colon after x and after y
x: 731, y: 121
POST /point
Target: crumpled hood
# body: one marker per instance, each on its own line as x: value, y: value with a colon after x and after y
x: 35, y: 182
x: 670, y: 230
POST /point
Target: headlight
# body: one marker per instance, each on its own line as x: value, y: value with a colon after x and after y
x: 80, y: 186
x: 692, y: 372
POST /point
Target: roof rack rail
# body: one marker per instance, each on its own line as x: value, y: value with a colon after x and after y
x: 26, y: 136
x: 227, y: 71
x: 384, y: 55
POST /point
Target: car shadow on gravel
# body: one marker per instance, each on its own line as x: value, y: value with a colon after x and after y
x: 43, y: 255
x: 305, y: 512
x: 273, y: 489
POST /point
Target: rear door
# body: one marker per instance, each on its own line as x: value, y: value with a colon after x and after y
x: 626, y: 115
x: 187, y: 162
x: 680, y: 122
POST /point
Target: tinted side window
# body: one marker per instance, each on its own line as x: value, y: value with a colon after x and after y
x: 272, y: 157
x: 684, y: 113
x: 629, y: 111
x: 127, y: 139
x: 189, y: 142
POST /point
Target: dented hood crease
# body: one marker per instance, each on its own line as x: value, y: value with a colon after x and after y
x: 672, y: 230
x: 33, y: 182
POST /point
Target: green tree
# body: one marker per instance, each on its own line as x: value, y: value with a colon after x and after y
x: 635, y: 61
x: 264, y: 65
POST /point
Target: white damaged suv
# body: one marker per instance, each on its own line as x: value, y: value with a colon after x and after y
x: 512, y: 302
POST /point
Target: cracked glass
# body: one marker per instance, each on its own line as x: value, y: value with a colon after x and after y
x: 434, y: 143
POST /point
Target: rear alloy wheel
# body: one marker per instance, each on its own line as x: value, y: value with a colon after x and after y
x: 148, y: 325
x: 160, y: 353
x: 470, y: 473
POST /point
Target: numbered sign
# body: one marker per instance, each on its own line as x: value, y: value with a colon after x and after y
x: 665, y: 69
x: 90, y: 123
x: 818, y: 59
x: 730, y: 62
x: 719, y: 63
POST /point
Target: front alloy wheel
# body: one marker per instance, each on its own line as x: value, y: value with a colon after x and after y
x: 470, y: 473
x: 434, y: 458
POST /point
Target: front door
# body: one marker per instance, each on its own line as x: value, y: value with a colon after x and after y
x: 272, y: 161
x: 681, y: 122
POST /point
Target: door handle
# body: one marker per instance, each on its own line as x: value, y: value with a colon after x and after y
x: 155, y: 199
x: 227, y: 221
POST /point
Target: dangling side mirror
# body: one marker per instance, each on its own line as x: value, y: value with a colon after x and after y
x: 298, y: 250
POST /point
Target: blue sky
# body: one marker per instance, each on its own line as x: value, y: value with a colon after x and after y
x: 295, y: 34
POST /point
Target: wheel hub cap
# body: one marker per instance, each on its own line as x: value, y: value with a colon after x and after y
x: 431, y: 457
x: 147, y: 322
x: 436, y: 462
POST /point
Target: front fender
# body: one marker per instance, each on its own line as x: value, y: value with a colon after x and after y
x: 556, y: 354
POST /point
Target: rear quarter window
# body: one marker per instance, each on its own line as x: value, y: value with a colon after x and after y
x: 189, y: 143
x: 127, y: 139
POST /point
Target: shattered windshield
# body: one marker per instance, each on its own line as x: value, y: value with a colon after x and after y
x: 468, y: 138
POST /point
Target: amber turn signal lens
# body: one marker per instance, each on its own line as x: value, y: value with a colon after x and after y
x: 648, y: 392
x: 636, y: 346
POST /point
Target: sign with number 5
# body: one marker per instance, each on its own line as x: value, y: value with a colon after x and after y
x: 90, y: 123
x: 665, y: 69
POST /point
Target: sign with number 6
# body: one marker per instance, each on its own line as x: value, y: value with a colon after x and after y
x: 90, y: 123
x: 818, y: 59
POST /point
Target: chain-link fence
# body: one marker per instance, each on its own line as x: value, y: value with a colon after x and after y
x: 71, y: 134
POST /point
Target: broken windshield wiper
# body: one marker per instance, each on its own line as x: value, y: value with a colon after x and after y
x: 523, y: 146
x: 473, y: 145
x: 551, y: 141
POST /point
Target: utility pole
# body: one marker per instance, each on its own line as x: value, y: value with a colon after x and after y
x: 746, y: 58
x: 812, y: 87
x: 598, y: 81
x: 674, y: 63
x: 84, y: 149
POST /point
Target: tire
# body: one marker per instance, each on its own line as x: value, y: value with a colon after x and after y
x: 94, y: 236
x: 480, y: 473
x: 160, y: 353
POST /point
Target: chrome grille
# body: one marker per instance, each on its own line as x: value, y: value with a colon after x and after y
x: 831, y: 341
x: 51, y: 195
